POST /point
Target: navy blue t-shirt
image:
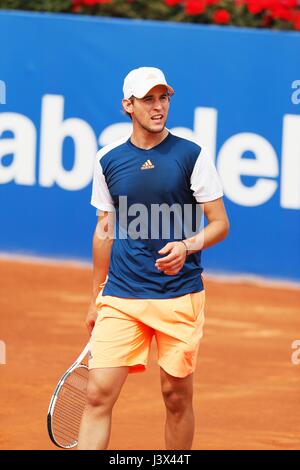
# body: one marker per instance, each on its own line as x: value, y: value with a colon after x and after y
x: 156, y: 196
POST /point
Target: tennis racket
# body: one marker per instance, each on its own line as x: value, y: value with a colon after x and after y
x: 67, y: 404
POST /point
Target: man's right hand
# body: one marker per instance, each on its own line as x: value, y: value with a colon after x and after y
x: 91, y: 318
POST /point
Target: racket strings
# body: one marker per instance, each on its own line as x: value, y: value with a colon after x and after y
x: 69, y: 407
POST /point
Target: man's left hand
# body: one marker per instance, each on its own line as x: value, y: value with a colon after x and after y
x: 174, y: 261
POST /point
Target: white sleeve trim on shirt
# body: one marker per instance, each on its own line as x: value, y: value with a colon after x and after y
x: 101, y: 197
x: 205, y: 181
x: 212, y: 197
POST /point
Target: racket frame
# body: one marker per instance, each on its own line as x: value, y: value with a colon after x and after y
x: 76, y: 365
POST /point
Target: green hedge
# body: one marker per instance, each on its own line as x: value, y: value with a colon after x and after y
x: 37, y: 5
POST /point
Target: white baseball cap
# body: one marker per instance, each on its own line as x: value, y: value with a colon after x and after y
x: 139, y: 81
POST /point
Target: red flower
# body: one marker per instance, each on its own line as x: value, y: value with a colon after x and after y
x: 195, y: 7
x: 221, y: 16
x: 255, y: 6
x: 172, y: 3
x: 76, y: 4
x: 94, y: 2
x: 281, y: 13
x: 296, y: 19
x: 267, y: 20
x: 297, y: 24
x: 290, y: 3
x: 279, y: 8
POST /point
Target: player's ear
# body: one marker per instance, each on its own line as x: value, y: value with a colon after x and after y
x: 127, y: 106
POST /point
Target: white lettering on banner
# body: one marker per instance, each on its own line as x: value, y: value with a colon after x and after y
x: 22, y: 146
x: 205, y: 127
x: 205, y: 130
x: 232, y: 165
x: 296, y: 94
x: 2, y: 92
x: 290, y: 171
x: 114, y: 132
x: 231, y: 162
x: 54, y: 130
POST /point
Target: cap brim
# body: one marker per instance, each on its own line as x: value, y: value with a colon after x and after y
x: 140, y: 93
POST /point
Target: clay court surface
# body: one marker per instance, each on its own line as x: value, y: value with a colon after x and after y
x: 247, y: 391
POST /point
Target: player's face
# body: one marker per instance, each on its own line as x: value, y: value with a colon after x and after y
x: 151, y: 111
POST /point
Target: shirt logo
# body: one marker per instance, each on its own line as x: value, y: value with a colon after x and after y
x: 148, y: 165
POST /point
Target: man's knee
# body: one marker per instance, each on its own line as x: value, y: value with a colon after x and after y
x: 99, y: 395
x: 177, y: 401
x: 104, y: 387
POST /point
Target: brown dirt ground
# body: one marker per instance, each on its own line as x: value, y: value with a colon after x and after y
x: 247, y: 391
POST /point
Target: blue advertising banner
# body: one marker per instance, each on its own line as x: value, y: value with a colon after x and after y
x: 237, y: 91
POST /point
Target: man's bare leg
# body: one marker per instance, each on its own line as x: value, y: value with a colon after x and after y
x: 104, y: 387
x: 178, y: 398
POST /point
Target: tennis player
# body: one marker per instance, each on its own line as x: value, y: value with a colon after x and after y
x: 147, y: 261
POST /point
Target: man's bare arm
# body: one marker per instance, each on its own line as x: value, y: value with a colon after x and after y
x: 102, y: 245
x: 215, y: 231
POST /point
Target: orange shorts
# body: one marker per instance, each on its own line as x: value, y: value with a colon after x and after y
x: 124, y: 330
